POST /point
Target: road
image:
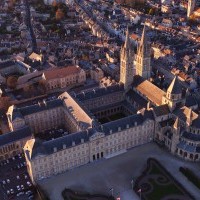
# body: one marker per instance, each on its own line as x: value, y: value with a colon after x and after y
x: 29, y: 25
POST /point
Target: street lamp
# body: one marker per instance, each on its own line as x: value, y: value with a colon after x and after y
x: 132, y: 182
x: 111, y: 190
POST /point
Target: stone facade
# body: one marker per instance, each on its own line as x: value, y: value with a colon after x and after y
x: 59, y: 155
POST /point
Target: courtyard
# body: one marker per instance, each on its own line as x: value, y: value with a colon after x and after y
x: 111, y: 118
x: 118, y: 173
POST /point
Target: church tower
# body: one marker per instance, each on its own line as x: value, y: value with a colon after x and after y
x: 143, y: 58
x: 174, y: 95
x: 126, y: 62
x: 190, y: 8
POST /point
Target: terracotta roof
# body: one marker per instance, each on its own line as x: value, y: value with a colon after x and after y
x: 134, y: 36
x: 149, y: 90
x: 61, y: 72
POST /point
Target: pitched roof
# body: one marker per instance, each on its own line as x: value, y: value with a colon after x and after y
x: 131, y: 121
x: 38, y: 147
x: 175, y: 86
x: 41, y: 107
x: 15, y: 135
x: 95, y: 93
x: 148, y: 90
x: 77, y: 111
x: 186, y: 113
x: 61, y: 72
x: 161, y: 110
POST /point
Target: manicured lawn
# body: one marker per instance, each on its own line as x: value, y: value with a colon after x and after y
x: 191, y: 176
x: 161, y: 191
x: 156, y: 183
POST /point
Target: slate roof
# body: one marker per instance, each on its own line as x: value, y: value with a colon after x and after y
x: 135, y: 97
x: 184, y: 146
x: 15, y: 136
x: 6, y: 64
x: 43, y: 106
x: 161, y: 110
x: 175, y: 86
x: 190, y: 101
x: 191, y: 136
x: 130, y: 120
x: 47, y: 147
x: 184, y: 113
x: 95, y: 93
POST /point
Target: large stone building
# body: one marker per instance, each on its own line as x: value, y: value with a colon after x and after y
x: 12, y: 143
x: 64, y: 77
x: 107, y: 121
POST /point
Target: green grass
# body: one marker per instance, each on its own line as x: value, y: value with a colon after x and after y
x: 169, y: 187
x: 161, y: 191
x: 191, y: 176
x: 155, y: 170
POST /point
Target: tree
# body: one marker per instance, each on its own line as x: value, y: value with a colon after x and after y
x: 12, y: 82
x: 59, y: 14
x: 4, y: 103
x: 54, y: 4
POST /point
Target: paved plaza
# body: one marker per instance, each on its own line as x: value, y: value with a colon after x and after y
x: 117, y: 173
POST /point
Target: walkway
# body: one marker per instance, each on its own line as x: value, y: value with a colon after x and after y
x: 117, y: 173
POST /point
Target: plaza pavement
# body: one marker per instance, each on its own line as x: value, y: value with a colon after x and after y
x: 117, y: 173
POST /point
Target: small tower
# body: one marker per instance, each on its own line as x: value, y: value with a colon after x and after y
x: 176, y: 135
x: 126, y: 63
x: 143, y: 58
x: 174, y: 95
x: 190, y: 8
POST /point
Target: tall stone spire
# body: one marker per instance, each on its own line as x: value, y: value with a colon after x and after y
x: 190, y: 8
x: 126, y: 62
x: 143, y: 40
x: 127, y: 40
x: 143, y: 59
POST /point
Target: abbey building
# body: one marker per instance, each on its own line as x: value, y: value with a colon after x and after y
x: 105, y: 122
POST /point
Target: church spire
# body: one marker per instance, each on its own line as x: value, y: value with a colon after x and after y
x: 127, y: 40
x: 143, y: 59
x: 143, y: 38
x: 126, y: 62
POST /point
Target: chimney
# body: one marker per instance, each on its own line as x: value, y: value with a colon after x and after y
x: 44, y: 102
x: 148, y: 105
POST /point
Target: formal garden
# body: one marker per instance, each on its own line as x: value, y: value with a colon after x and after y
x: 191, y: 176
x: 73, y: 195
x: 157, y: 183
